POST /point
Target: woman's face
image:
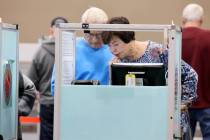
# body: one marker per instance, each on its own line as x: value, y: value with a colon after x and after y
x: 94, y: 38
x: 118, y: 47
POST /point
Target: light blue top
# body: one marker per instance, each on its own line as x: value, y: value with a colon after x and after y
x: 91, y: 63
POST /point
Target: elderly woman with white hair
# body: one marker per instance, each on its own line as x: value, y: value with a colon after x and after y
x: 92, y: 56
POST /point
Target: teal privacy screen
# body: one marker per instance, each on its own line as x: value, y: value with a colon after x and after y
x: 8, y: 79
x: 113, y: 113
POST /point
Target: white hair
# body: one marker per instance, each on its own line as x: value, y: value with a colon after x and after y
x: 193, y: 12
x: 94, y: 15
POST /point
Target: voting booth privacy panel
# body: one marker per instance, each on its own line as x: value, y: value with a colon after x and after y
x: 8, y: 81
x: 85, y: 112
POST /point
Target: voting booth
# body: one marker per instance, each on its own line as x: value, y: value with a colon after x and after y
x: 8, y: 81
x: 96, y: 112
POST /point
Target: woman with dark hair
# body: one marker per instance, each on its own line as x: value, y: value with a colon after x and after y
x: 126, y: 49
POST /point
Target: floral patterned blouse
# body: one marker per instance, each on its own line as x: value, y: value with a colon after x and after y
x: 189, y: 77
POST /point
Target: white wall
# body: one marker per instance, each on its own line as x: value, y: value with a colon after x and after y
x: 26, y: 54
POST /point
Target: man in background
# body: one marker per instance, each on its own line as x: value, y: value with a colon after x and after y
x: 196, y: 52
x: 40, y: 73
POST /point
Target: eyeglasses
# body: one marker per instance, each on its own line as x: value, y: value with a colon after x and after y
x: 96, y: 35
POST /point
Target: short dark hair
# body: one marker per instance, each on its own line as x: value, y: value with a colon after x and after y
x: 58, y: 20
x: 125, y: 36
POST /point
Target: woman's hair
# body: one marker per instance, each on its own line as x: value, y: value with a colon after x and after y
x: 125, y: 36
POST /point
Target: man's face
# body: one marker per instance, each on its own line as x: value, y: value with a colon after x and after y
x: 52, y: 32
x: 118, y: 47
x: 94, y: 38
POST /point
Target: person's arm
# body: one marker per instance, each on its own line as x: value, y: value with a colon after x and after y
x: 189, y: 81
x: 27, y: 97
x: 33, y: 73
